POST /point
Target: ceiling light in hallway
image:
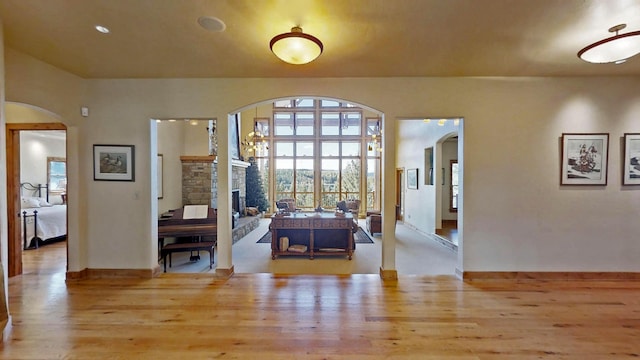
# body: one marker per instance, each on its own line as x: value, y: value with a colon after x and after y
x: 296, y: 47
x: 615, y: 49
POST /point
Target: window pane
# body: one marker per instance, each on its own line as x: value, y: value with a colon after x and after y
x: 283, y: 104
x: 283, y: 123
x: 372, y: 184
x: 330, y: 148
x: 284, y: 148
x: 351, y: 123
x: 284, y: 175
x: 350, y: 178
x: 454, y: 174
x: 330, y: 123
x: 350, y: 149
x: 374, y: 148
x: 329, y: 174
x: 57, y: 174
x: 304, y: 123
x: 304, y: 103
x: 262, y: 125
x: 304, y: 200
x: 329, y: 200
x: 304, y: 182
x: 304, y: 148
x: 373, y: 126
x: 329, y: 103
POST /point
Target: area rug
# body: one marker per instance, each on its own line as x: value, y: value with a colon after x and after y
x: 360, y: 237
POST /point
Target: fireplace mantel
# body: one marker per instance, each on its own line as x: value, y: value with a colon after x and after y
x: 194, y: 158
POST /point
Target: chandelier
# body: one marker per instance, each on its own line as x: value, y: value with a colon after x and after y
x: 375, y: 144
x: 255, y: 143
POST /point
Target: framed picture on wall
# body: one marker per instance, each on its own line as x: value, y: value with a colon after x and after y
x: 631, y: 166
x: 412, y: 178
x: 114, y: 162
x: 584, y: 159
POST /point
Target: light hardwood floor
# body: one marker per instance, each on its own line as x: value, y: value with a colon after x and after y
x: 269, y: 316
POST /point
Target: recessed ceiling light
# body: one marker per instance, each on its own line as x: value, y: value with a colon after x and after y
x: 212, y: 23
x: 102, y: 29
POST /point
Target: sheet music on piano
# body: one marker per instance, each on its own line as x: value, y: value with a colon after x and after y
x: 195, y: 212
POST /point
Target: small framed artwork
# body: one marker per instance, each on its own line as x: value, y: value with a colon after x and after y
x: 114, y: 162
x: 428, y: 166
x: 631, y: 174
x: 412, y: 178
x: 584, y: 159
x: 160, y: 170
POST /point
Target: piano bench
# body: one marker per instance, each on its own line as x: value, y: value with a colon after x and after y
x: 169, y: 249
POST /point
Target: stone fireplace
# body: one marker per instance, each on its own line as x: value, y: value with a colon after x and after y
x: 200, y: 182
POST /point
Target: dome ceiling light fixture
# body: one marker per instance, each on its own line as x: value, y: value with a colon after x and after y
x: 296, y: 47
x: 616, y: 49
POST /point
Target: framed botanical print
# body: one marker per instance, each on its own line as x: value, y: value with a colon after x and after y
x: 584, y: 159
x: 631, y: 160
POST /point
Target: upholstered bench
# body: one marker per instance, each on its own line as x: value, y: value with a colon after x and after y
x: 169, y: 249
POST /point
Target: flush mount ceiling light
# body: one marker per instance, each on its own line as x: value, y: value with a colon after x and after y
x: 102, y: 29
x: 616, y: 49
x: 296, y: 47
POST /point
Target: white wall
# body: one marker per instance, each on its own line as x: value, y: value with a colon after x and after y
x: 516, y: 215
x: 34, y: 150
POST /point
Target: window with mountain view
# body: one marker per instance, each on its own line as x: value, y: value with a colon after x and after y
x: 323, y: 151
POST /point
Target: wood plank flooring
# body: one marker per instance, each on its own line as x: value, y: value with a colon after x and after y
x: 268, y: 316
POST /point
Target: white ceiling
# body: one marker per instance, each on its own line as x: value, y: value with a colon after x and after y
x: 362, y: 38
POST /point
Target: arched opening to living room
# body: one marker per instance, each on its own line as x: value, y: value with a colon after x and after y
x: 309, y: 151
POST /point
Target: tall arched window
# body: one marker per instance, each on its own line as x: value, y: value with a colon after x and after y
x: 322, y: 151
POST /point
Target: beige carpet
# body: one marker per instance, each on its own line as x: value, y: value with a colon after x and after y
x: 416, y: 254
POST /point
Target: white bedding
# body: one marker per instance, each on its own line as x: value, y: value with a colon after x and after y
x: 52, y: 222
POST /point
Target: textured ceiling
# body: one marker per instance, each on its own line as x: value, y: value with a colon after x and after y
x: 362, y: 38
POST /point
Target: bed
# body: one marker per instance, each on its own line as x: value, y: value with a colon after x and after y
x: 42, y: 221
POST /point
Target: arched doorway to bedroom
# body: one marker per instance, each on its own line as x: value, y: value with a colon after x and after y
x: 36, y: 180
